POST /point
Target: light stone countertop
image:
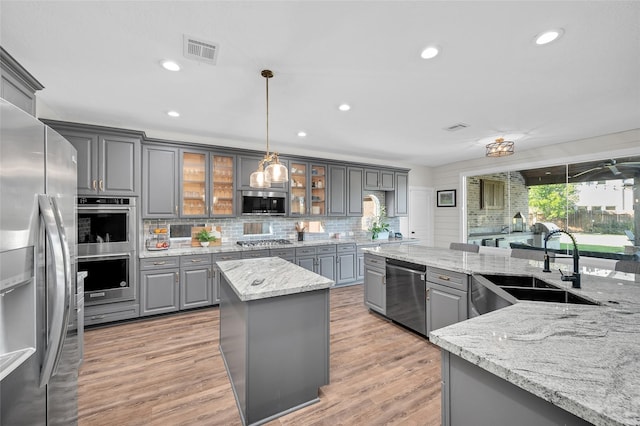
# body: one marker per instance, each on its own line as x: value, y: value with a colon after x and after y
x: 261, y: 278
x: 584, y: 359
x: 232, y: 246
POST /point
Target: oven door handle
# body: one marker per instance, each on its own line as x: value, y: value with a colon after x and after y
x: 104, y: 256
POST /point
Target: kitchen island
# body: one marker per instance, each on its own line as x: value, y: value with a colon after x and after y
x: 274, y: 335
x: 533, y: 358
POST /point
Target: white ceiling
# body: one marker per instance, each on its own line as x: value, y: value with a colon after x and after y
x: 99, y: 63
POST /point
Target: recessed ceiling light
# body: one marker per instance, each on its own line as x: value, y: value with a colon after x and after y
x: 548, y: 36
x: 344, y: 107
x: 302, y: 134
x: 173, y: 114
x: 170, y: 65
x: 429, y: 52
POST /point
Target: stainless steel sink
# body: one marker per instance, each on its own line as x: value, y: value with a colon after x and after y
x: 491, y: 292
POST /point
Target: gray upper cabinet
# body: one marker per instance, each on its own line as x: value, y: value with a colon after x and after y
x: 337, y: 205
x: 16, y: 84
x: 354, y: 191
x: 397, y: 201
x: 159, y: 182
x: 108, y: 163
x: 375, y: 180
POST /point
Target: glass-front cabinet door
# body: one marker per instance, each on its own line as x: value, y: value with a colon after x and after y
x: 318, y: 190
x: 298, y: 184
x: 308, y: 186
x: 222, y: 174
x: 194, y: 184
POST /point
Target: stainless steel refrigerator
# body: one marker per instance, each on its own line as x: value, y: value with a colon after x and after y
x: 40, y: 341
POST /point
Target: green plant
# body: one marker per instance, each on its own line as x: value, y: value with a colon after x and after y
x: 379, y: 225
x: 203, y: 236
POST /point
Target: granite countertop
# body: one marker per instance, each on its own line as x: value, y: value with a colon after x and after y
x: 232, y: 246
x: 261, y: 278
x: 584, y: 359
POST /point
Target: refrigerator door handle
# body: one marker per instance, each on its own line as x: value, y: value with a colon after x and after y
x: 59, y: 318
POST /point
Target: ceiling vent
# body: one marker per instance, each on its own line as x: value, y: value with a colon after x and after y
x: 200, y: 50
x: 455, y: 127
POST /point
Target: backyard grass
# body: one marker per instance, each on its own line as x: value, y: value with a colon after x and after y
x: 593, y: 248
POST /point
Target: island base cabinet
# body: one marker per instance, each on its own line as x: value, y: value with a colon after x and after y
x: 275, y: 350
x: 445, y: 306
x: 473, y: 396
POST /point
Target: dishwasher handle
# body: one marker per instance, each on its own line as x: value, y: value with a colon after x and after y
x: 411, y: 271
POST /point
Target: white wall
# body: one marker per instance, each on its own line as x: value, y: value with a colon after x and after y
x: 450, y: 222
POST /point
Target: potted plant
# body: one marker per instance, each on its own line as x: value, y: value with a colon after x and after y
x: 379, y: 228
x: 204, y: 237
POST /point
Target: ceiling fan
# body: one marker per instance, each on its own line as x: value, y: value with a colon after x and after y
x: 612, y: 165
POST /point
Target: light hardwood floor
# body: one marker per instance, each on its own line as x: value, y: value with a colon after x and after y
x: 168, y: 371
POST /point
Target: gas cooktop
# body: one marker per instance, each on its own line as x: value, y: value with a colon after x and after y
x: 263, y: 243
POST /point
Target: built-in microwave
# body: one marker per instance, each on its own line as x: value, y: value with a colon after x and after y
x: 263, y: 203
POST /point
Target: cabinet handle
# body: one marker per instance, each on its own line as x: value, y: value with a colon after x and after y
x: 196, y: 260
x: 428, y: 293
x: 177, y: 278
x: 101, y: 185
x: 97, y: 317
x: 94, y: 184
x: 176, y: 209
x: 384, y: 279
x: 444, y: 278
x: 159, y: 263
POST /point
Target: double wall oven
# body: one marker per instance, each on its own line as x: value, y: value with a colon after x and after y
x: 107, y: 231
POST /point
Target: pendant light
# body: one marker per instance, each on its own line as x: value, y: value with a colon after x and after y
x: 500, y: 148
x: 275, y: 172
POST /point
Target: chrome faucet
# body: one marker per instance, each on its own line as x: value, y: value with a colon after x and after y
x: 575, y: 277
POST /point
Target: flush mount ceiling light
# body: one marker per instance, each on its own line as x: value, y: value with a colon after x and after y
x: 274, y: 172
x: 173, y: 114
x: 500, y: 148
x: 302, y: 134
x: 548, y: 36
x: 429, y: 52
x: 170, y: 66
x: 344, y: 107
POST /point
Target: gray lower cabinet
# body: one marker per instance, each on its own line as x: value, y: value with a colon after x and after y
x: 110, y: 312
x: 306, y: 258
x: 169, y: 284
x: 232, y: 255
x: 473, y: 396
x: 159, y: 291
x: 326, y: 261
x: 345, y: 263
x: 375, y: 283
x: 160, y: 179
x: 446, y: 298
x: 196, y: 281
x: 288, y: 254
x: 360, y: 267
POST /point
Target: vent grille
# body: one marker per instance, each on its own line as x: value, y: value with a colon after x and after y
x: 455, y: 127
x: 200, y: 50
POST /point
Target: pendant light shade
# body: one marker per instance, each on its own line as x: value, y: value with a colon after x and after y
x: 275, y: 172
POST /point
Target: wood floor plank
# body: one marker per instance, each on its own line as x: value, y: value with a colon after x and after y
x: 168, y: 371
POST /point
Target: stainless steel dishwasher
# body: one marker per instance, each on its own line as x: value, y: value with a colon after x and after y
x: 406, y: 292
